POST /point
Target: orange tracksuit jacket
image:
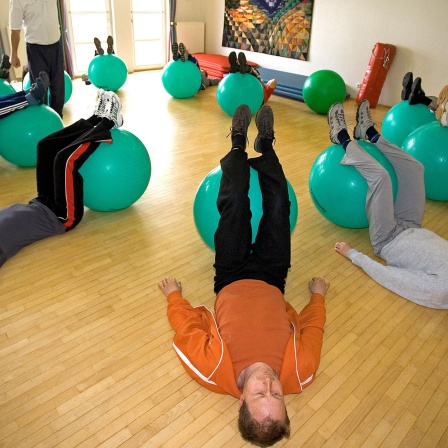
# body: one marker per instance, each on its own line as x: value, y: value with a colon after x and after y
x: 206, y: 358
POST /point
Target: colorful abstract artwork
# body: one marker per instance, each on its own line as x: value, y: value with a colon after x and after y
x: 276, y: 27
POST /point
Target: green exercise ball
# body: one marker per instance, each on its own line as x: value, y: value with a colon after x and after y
x: 205, y: 210
x: 339, y: 191
x: 322, y: 89
x: 27, y: 127
x: 236, y: 89
x: 181, y: 79
x: 402, y: 119
x: 429, y: 145
x: 107, y: 71
x: 6, y: 88
x: 117, y: 174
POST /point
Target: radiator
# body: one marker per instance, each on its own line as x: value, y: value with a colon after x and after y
x: 192, y: 34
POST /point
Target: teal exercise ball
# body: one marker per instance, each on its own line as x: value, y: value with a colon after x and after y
x: 117, y: 174
x: 236, y: 89
x: 68, y: 86
x: 339, y: 191
x: 6, y: 88
x: 402, y: 119
x: 322, y: 89
x: 26, y: 127
x: 429, y: 145
x: 181, y: 79
x: 205, y: 210
x: 107, y: 71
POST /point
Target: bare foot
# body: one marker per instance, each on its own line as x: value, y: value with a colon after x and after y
x: 318, y: 285
x: 342, y: 248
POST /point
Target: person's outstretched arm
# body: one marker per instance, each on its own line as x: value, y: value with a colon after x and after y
x: 197, y: 340
x: 417, y: 286
x: 309, y: 324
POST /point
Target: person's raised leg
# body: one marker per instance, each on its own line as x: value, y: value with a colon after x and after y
x: 37, y: 92
x: 233, y: 62
x: 417, y: 95
x: 69, y: 197
x: 379, y: 198
x: 410, y: 200
x: 272, y: 246
x: 408, y: 79
x: 233, y: 237
x: 12, y: 102
x: 49, y: 146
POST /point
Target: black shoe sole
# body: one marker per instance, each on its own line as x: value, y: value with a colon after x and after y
x: 175, y: 50
x: 416, y: 92
x: 407, y: 85
x: 182, y: 52
x: 110, y: 45
x: 243, y: 63
x: 233, y: 62
x: 97, y: 43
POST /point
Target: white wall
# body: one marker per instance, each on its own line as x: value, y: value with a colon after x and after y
x: 344, y: 33
x: 342, y: 37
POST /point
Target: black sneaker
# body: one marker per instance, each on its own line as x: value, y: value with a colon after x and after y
x: 175, y: 50
x: 5, y: 62
x: 183, y: 52
x: 417, y: 95
x: 243, y: 63
x: 241, y: 121
x: 408, y: 79
x: 265, y: 125
x: 110, y: 45
x: 39, y: 88
x: 98, y: 48
x: 233, y: 62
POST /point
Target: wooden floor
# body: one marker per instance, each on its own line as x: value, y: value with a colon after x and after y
x: 85, y: 345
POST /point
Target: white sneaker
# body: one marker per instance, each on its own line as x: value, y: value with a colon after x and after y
x: 112, y: 108
x: 363, y: 120
x: 336, y: 120
x: 100, y: 102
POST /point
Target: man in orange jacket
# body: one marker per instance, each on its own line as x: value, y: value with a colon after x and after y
x: 255, y: 346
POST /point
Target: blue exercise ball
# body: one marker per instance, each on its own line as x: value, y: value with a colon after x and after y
x: 205, y: 210
x: 402, y: 119
x: 181, y: 79
x: 107, y: 71
x: 6, y: 88
x: 322, y: 89
x: 68, y: 86
x: 236, y: 89
x: 429, y: 145
x: 26, y: 127
x: 117, y: 174
x: 339, y: 191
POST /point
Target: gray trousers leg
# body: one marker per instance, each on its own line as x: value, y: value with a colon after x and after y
x: 386, y: 218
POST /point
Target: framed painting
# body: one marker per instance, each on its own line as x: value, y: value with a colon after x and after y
x: 275, y: 27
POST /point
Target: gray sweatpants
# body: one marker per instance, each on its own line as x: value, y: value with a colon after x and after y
x: 387, y: 218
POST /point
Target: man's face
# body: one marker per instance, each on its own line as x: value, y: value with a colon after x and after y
x: 263, y: 394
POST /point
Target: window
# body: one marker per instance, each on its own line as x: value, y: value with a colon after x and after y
x: 148, y: 20
x: 140, y: 25
x: 89, y: 19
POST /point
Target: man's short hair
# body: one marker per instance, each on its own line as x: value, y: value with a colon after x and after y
x: 264, y: 433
